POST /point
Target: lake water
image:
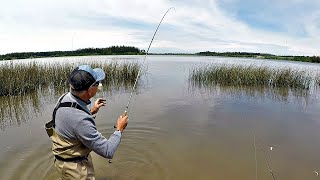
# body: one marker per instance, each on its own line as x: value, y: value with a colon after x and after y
x: 177, y: 131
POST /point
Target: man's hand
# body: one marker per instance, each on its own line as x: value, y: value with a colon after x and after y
x: 97, y: 105
x: 122, y: 123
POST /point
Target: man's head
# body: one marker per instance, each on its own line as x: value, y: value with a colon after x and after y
x: 84, y: 78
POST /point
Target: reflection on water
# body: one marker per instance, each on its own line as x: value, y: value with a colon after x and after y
x: 15, y: 110
x: 286, y: 95
x: 176, y: 130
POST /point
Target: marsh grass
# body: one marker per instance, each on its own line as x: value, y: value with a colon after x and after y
x: 250, y: 76
x: 25, y: 87
x: 22, y: 78
x: 120, y: 75
x: 16, y: 110
x: 317, y: 80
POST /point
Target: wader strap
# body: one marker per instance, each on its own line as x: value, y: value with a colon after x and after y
x: 51, y: 124
x: 80, y: 158
x: 72, y: 104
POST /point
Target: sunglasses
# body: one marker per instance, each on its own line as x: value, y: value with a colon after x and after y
x: 96, y: 83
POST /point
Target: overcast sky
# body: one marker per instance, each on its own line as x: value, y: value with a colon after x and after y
x: 282, y: 27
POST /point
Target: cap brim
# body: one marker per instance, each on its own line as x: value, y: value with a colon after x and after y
x: 99, y: 74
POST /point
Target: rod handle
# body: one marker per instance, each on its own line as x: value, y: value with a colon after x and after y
x: 123, y: 114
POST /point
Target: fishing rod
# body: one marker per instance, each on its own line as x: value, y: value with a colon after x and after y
x: 138, y: 75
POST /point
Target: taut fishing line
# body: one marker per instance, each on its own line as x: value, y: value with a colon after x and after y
x: 138, y: 75
x: 145, y: 57
x: 264, y: 154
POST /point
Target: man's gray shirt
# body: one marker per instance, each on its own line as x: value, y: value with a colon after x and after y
x: 72, y: 123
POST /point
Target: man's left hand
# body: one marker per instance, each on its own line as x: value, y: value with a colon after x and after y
x: 97, y: 105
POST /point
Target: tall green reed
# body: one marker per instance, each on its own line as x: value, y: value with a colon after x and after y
x: 22, y: 78
x: 249, y: 76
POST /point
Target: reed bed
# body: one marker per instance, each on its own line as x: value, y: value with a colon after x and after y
x: 18, y: 79
x: 317, y: 80
x: 249, y: 76
x: 17, y: 110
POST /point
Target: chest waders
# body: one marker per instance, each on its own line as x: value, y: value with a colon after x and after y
x: 72, y: 158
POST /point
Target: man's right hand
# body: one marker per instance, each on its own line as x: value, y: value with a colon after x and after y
x: 122, y: 123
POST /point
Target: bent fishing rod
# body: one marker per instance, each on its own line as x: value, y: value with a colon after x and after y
x: 145, y: 57
x: 138, y: 75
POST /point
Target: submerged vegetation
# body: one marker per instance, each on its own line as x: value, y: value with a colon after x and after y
x: 250, y: 76
x: 21, y: 78
x: 17, y: 110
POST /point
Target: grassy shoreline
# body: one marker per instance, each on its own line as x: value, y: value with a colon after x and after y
x: 312, y: 59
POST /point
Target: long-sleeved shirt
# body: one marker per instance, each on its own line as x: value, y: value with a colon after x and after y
x: 72, y: 123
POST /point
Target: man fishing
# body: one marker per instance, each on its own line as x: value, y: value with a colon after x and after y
x: 73, y: 130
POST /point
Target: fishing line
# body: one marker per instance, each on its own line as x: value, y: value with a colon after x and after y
x: 255, y: 154
x: 138, y: 75
x: 265, y: 156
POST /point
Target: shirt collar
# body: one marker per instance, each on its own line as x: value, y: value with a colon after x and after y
x: 80, y: 101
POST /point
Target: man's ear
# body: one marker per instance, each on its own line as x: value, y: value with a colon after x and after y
x: 89, y: 91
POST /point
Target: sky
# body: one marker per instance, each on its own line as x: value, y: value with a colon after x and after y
x: 280, y: 27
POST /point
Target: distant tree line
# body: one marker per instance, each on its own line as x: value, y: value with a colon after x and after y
x: 113, y: 50
x: 130, y: 50
x: 314, y: 59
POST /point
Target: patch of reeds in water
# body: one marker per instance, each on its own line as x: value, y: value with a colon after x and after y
x: 119, y: 75
x: 17, y: 110
x: 17, y: 79
x: 252, y: 76
x: 317, y: 80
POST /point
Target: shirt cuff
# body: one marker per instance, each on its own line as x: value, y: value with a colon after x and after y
x: 118, y: 133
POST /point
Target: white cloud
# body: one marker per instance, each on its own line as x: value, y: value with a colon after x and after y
x: 195, y: 25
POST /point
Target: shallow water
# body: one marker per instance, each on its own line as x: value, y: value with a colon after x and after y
x: 176, y: 131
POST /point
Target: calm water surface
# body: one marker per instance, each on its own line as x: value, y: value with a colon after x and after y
x: 176, y: 131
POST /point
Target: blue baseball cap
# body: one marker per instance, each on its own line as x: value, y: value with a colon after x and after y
x: 82, y: 77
